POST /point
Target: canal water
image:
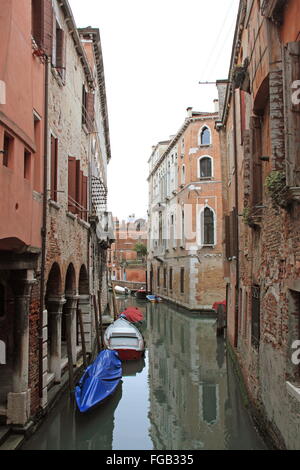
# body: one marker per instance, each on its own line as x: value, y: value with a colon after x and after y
x: 182, y: 396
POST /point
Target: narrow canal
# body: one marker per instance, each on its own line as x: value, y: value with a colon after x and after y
x: 182, y: 396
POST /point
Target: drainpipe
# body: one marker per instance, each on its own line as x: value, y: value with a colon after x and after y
x: 237, y: 285
x: 44, y: 230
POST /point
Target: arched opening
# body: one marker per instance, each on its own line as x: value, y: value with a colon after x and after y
x: 54, y: 302
x: 83, y: 284
x: 68, y: 309
x: 205, y: 136
x: 208, y: 232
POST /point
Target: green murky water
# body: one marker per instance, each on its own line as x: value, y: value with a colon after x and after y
x: 182, y: 396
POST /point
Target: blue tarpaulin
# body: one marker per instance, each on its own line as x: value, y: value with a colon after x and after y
x: 99, y: 380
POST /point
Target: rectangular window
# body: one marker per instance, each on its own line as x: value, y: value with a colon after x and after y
x: 36, y: 21
x: 54, y: 160
x: 182, y: 280
x: 84, y: 105
x: 255, y: 316
x: 158, y: 277
x: 27, y: 165
x: 8, y: 150
x: 165, y: 278
x: 171, y: 279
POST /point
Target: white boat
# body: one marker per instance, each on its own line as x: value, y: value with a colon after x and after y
x: 126, y: 339
x: 122, y: 290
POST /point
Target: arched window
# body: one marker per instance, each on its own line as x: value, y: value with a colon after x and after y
x: 206, y: 168
x: 205, y: 136
x: 208, y: 227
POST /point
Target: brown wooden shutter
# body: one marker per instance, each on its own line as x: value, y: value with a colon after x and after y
x: 47, y: 27
x: 227, y: 237
x: 90, y: 110
x: 54, y: 156
x: 36, y: 21
x: 78, y: 186
x: 292, y: 112
x: 72, y: 184
x: 84, y: 196
x: 234, y: 216
x: 243, y: 112
x: 60, y: 51
x: 255, y: 148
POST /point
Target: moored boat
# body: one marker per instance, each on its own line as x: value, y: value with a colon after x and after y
x: 99, y: 380
x: 122, y: 290
x: 141, y: 294
x: 154, y: 299
x: 133, y: 315
x: 126, y: 339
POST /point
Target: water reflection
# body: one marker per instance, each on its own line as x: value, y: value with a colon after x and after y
x: 181, y: 396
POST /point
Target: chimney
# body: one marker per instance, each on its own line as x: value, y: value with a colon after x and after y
x: 216, y: 103
x: 189, y: 112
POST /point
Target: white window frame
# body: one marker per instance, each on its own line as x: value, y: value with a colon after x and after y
x: 212, y: 167
x: 200, y: 227
x: 205, y: 126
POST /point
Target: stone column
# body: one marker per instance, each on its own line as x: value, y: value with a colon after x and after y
x: 55, y: 307
x: 18, y: 401
x: 71, y: 322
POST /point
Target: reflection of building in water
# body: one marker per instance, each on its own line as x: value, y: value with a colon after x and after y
x: 188, y: 383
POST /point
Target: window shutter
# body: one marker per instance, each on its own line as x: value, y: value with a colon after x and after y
x: 36, y: 21
x: 227, y: 237
x: 60, y: 52
x: 292, y: 112
x: 47, y: 27
x: 79, y: 175
x: 234, y: 230
x: 72, y: 184
x: 90, y: 109
x: 54, y: 155
x: 84, y: 196
x: 255, y: 148
x: 243, y: 112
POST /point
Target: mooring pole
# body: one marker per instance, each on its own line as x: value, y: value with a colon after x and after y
x: 100, y: 318
x: 97, y: 323
x: 82, y: 338
x: 69, y: 351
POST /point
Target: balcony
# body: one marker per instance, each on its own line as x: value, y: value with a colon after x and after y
x: 99, y: 196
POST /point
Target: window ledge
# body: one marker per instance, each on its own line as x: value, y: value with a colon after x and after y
x: 71, y: 216
x: 54, y: 204
x: 293, y: 390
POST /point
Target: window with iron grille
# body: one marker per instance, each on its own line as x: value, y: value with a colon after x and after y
x: 255, y: 322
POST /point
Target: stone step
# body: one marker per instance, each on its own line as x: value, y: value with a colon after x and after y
x: 4, y: 432
x: 13, y: 442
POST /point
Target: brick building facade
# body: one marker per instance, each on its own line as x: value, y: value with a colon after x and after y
x: 124, y: 262
x: 185, y: 221
x: 55, y: 228
x: 260, y: 152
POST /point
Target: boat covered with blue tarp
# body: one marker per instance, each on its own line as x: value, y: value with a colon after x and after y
x: 99, y: 380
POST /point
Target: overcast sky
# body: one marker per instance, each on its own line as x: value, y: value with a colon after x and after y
x: 155, y: 53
